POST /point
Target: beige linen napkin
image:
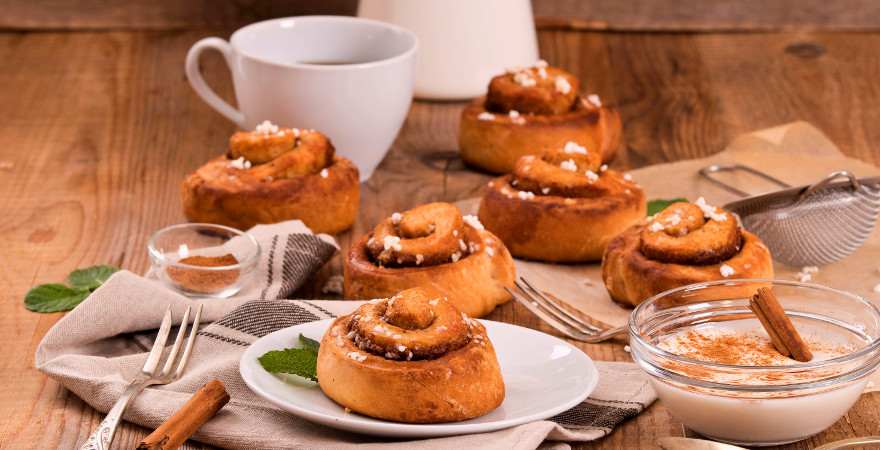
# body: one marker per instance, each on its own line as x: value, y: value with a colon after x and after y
x: 102, y: 343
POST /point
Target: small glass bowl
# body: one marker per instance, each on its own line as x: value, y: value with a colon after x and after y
x: 758, y: 405
x: 196, y: 259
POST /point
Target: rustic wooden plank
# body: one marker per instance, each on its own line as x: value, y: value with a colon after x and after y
x: 630, y: 15
x: 707, y: 15
x: 820, y: 78
x: 157, y: 14
x: 101, y: 127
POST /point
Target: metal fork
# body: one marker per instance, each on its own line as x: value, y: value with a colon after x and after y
x: 542, y: 305
x: 150, y: 374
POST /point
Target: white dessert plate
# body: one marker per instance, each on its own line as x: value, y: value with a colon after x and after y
x: 543, y: 376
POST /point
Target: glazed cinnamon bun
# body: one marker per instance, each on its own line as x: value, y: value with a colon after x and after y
x: 529, y: 110
x: 683, y: 244
x: 411, y: 358
x: 271, y: 175
x: 561, y: 206
x: 431, y: 245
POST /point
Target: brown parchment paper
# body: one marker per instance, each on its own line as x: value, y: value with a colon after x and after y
x: 796, y: 153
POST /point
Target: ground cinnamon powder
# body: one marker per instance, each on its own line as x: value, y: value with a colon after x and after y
x: 734, y: 349
x: 744, y: 349
x: 204, y: 281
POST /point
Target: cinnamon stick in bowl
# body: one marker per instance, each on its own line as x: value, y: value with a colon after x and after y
x: 783, y: 334
x: 200, y: 408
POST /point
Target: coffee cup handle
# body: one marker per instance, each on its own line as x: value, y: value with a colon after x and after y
x: 198, y: 83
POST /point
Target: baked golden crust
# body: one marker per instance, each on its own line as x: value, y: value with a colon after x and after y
x: 631, y: 277
x: 426, y: 325
x: 291, y: 178
x: 429, y: 234
x: 560, y: 215
x: 449, y: 374
x: 529, y: 110
x: 686, y: 237
x: 495, y: 145
x: 473, y: 276
x: 533, y: 90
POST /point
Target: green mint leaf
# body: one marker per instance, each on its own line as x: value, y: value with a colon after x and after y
x: 91, y: 277
x: 309, y: 344
x: 54, y: 297
x: 657, y: 205
x: 296, y: 361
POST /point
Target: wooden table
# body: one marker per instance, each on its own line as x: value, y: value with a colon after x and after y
x: 97, y: 129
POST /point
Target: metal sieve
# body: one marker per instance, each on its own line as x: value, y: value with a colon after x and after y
x: 809, y: 225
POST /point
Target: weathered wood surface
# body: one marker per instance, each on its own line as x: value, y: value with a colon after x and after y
x: 100, y: 127
x: 629, y: 15
x: 707, y: 15
x: 157, y: 14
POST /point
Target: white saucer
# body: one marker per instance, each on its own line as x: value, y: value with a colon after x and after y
x: 543, y: 376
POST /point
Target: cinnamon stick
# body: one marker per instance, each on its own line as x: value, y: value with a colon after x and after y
x: 186, y: 420
x: 783, y: 334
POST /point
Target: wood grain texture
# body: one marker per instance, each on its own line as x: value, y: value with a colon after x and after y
x: 100, y: 127
x: 628, y: 15
x: 707, y: 15
x: 157, y: 14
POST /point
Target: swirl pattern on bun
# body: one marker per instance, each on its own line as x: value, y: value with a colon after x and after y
x: 683, y: 244
x: 529, y: 110
x: 541, y: 90
x: 410, y: 358
x: 429, y: 234
x: 271, y: 175
x: 420, y: 327
x: 431, y: 245
x: 561, y: 206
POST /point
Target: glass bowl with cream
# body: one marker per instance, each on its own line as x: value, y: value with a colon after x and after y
x: 713, y: 365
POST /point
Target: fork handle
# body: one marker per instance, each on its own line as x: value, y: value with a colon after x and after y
x: 103, y: 436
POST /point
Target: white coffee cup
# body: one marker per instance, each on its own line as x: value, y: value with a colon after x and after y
x: 350, y: 78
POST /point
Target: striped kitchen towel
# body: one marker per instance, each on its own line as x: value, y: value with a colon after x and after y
x: 102, y: 343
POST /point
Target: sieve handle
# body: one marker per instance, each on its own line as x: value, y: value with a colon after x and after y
x: 854, y: 182
x: 709, y: 172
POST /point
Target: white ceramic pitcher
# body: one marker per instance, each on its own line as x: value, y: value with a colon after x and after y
x: 463, y: 43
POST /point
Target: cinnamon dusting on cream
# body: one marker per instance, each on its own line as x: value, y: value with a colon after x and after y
x: 737, y: 348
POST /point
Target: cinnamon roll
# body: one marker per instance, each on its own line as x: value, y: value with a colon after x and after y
x: 683, y: 244
x: 431, y: 245
x: 411, y: 358
x: 271, y: 175
x: 529, y: 110
x: 561, y: 206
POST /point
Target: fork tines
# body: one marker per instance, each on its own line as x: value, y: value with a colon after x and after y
x: 170, y: 371
x: 546, y: 306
